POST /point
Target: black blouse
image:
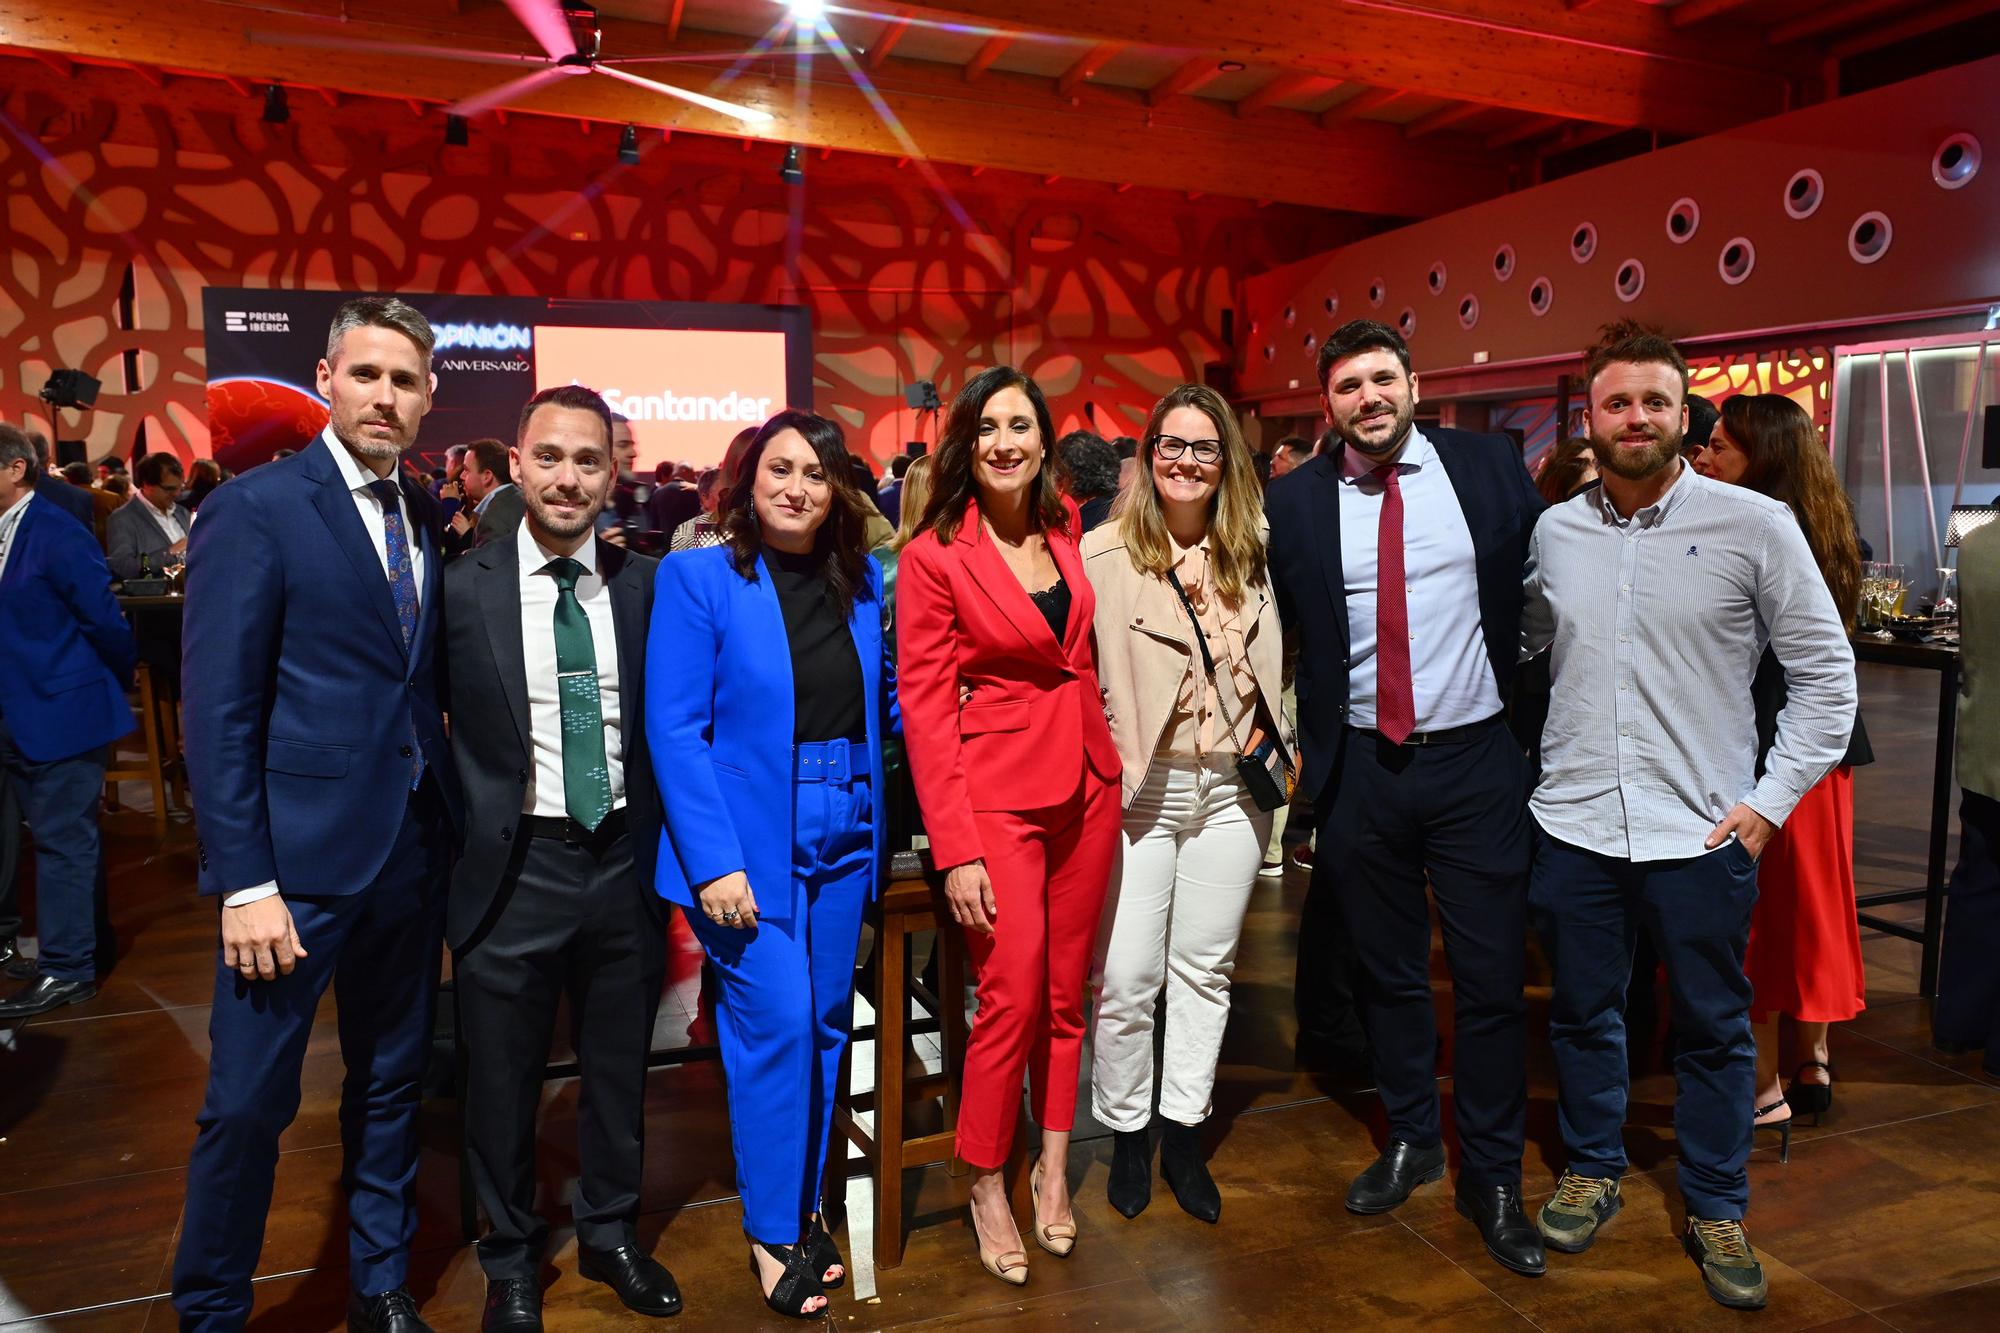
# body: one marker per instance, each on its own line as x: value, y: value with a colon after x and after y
x: 1053, y: 603
x: 827, y: 699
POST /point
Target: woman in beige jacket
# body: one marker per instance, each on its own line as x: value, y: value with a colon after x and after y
x: 1193, y: 835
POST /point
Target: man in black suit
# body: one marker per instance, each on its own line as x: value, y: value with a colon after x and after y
x: 492, y: 507
x: 1397, y: 560
x: 59, y: 492
x: 545, y: 631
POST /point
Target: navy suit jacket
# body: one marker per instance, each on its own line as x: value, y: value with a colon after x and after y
x: 300, y: 696
x: 72, y: 500
x: 719, y: 717
x: 65, y: 649
x: 1500, y: 505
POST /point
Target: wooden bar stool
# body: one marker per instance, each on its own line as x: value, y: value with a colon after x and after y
x: 912, y: 901
x: 146, y: 766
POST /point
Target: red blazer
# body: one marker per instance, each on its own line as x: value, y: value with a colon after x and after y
x: 1034, y: 727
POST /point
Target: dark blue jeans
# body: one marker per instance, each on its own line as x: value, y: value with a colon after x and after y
x: 59, y: 800
x: 1588, y: 909
x: 1967, y: 1009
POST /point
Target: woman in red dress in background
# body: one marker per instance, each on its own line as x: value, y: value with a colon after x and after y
x: 1804, y: 959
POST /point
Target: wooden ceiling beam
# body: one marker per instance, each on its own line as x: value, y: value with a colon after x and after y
x: 1829, y: 18
x: 1281, y: 89
x: 1926, y: 20
x: 1620, y: 63
x: 887, y: 42
x: 1186, y: 79
x: 1369, y: 99
x: 1444, y: 118
x: 1531, y: 128
x: 1194, y: 145
x: 1690, y: 12
x: 1091, y: 61
x: 982, y: 59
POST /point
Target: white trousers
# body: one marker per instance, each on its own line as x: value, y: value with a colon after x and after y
x: 1193, y: 842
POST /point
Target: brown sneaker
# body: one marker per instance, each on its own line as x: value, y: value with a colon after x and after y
x: 1729, y: 1267
x: 1582, y: 1204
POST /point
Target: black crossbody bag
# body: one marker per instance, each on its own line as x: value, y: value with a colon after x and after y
x: 1263, y: 770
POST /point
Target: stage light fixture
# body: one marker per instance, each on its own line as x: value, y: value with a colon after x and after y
x: 1231, y: 66
x: 792, y: 171
x: 276, y: 110
x: 628, y: 145
x: 807, y: 11
x: 71, y: 388
x: 456, y: 135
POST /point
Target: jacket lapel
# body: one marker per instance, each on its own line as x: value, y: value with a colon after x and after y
x: 336, y: 506
x: 627, y: 586
x: 1326, y: 527
x: 1082, y: 600
x: 991, y: 576
x: 500, y: 609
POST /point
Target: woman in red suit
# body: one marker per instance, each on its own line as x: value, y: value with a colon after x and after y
x: 1017, y: 776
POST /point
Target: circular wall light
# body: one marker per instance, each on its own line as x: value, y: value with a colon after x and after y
x: 1583, y: 242
x: 1738, y: 257
x: 1541, y: 295
x: 1803, y: 193
x: 1291, y: 316
x: 1311, y: 342
x: 1468, y: 311
x: 1956, y: 161
x: 1406, y: 323
x: 1270, y: 351
x: 1378, y: 291
x: 1503, y: 262
x: 1683, y: 221
x: 1332, y: 303
x: 1868, y: 239
x: 1630, y: 280
x: 1435, y: 279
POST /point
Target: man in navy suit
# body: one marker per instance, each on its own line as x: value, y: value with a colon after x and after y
x: 326, y: 803
x: 67, y: 498
x: 65, y: 651
x: 1397, y: 561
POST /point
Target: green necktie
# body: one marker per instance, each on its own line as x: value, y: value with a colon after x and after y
x: 586, y: 779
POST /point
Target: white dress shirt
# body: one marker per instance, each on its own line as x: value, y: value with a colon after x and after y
x: 170, y: 521
x: 538, y: 647
x: 10, y: 523
x: 358, y: 479
x: 1451, y: 673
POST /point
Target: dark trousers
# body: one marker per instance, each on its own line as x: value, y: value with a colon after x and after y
x: 572, y: 922
x: 10, y: 856
x: 1589, y: 909
x: 60, y: 800
x: 1457, y: 815
x: 379, y: 949
x: 1967, y: 1009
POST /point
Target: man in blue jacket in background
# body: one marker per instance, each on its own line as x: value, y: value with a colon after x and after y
x: 65, y: 653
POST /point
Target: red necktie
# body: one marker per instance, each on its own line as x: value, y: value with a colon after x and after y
x: 1395, y: 701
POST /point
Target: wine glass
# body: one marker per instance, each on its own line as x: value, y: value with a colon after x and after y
x: 1947, y: 598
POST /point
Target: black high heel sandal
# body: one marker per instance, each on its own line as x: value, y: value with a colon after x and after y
x: 1784, y: 1128
x: 825, y: 1254
x: 1813, y: 1099
x: 797, y: 1285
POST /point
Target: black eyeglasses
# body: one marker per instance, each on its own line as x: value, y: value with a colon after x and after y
x: 1171, y: 447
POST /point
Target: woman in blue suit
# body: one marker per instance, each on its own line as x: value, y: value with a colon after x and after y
x: 768, y: 692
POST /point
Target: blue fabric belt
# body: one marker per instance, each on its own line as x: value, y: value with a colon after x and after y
x: 830, y: 761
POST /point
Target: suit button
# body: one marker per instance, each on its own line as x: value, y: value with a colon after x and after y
x: 506, y: 835
x: 521, y: 776
x: 406, y: 752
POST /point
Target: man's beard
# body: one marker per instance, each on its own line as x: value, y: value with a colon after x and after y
x: 379, y: 450
x: 1404, y: 415
x: 556, y: 525
x: 1636, y: 464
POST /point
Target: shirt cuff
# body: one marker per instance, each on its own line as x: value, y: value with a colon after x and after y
x: 1773, y: 800
x: 255, y: 893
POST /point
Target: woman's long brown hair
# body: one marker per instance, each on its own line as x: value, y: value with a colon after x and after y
x: 1788, y: 463
x: 953, y: 485
x: 1236, y: 511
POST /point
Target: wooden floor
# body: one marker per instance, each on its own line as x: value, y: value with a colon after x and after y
x: 1889, y: 1214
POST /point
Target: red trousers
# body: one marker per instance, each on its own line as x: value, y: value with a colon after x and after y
x: 1050, y: 869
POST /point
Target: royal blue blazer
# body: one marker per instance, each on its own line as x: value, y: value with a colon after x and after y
x: 719, y: 717
x: 65, y: 649
x: 300, y: 696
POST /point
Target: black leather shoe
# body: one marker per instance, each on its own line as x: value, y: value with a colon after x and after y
x: 1130, y: 1185
x: 1510, y: 1237
x: 1390, y: 1178
x: 640, y: 1280
x: 43, y: 994
x: 391, y: 1312
x: 1184, y: 1166
x: 13, y: 965
x: 513, y: 1305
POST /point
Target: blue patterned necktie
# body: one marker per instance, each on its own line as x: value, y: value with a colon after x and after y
x: 402, y: 587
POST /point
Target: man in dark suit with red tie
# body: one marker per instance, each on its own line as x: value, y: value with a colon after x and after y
x: 327, y: 803
x: 1397, y: 562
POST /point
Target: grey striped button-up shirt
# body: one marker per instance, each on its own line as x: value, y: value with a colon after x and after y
x: 1655, y: 624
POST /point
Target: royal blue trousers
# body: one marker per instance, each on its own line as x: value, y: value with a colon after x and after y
x: 787, y: 1006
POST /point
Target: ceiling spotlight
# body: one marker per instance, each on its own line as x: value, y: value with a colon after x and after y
x: 455, y: 133
x: 807, y: 11
x: 793, y: 170
x: 628, y: 146
x: 276, y: 112
x: 1230, y: 66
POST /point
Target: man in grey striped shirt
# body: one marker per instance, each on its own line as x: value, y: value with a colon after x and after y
x: 1656, y: 594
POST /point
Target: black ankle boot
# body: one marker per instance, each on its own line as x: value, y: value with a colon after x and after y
x: 1185, y: 1167
x: 1130, y: 1187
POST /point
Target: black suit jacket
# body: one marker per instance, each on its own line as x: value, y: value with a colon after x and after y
x: 502, y: 517
x: 1500, y: 505
x: 487, y: 701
